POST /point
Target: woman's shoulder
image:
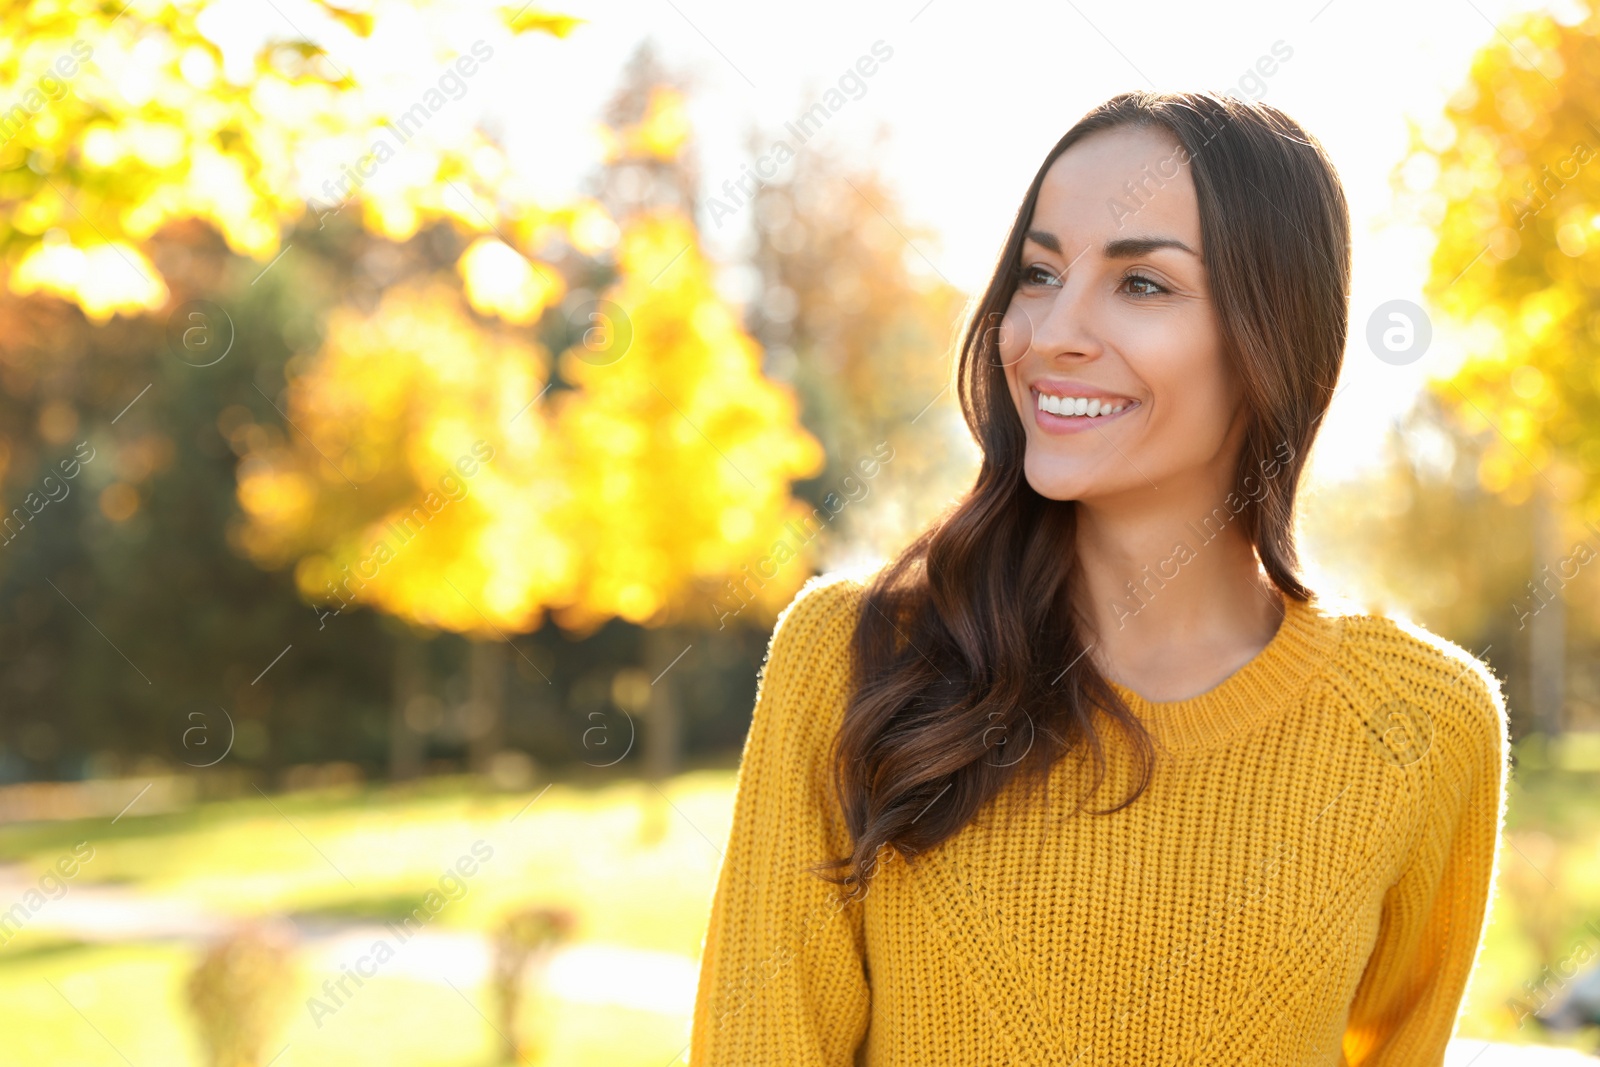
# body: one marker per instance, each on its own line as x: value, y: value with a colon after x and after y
x: 806, y: 678
x: 819, y: 620
x: 835, y: 587
x: 1397, y: 669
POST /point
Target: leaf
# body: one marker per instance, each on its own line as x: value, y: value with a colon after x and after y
x: 357, y: 22
x: 528, y: 19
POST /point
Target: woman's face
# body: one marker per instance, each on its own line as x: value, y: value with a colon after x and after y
x: 1113, y: 310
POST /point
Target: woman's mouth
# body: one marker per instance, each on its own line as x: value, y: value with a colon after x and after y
x: 1068, y: 414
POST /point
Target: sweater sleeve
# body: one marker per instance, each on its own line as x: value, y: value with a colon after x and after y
x: 783, y: 978
x: 1404, y: 1010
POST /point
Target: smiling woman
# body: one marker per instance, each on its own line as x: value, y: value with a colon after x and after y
x: 1306, y: 879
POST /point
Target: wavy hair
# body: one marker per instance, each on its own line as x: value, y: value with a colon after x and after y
x: 971, y: 630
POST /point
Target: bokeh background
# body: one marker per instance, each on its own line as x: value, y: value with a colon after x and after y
x: 415, y: 415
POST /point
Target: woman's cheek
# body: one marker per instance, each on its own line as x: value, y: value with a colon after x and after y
x: 1013, y: 335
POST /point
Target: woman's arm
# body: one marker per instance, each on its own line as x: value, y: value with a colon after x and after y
x: 1404, y: 1010
x: 782, y: 974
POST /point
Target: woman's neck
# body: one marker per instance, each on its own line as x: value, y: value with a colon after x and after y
x: 1176, y: 605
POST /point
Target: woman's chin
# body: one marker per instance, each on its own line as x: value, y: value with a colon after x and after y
x: 1055, y: 480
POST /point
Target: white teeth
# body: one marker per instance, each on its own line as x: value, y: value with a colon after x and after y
x: 1078, y: 405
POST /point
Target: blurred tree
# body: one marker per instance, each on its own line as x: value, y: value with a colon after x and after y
x: 149, y: 617
x: 1509, y: 178
x: 126, y: 135
x: 241, y: 990
x: 635, y: 491
x: 855, y: 315
x: 406, y: 423
x: 183, y: 151
x: 685, y: 450
x: 524, y: 940
x: 121, y: 121
x: 418, y: 479
x: 122, y: 607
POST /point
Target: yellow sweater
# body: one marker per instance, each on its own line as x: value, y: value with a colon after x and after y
x: 1305, y: 882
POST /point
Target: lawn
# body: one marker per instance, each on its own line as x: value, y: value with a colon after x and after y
x: 635, y: 864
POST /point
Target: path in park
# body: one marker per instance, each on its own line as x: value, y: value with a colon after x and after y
x: 586, y: 973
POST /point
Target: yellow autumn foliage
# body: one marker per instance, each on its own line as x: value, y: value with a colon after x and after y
x: 501, y: 281
x: 638, y: 494
x: 117, y: 120
x: 1516, y: 206
x: 684, y: 451
x: 660, y: 133
x: 657, y: 473
x: 418, y: 480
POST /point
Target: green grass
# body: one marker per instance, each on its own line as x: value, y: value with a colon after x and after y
x: 588, y: 849
x: 1547, y: 890
x: 636, y: 866
x: 638, y: 869
x: 119, y: 991
x: 131, y: 1000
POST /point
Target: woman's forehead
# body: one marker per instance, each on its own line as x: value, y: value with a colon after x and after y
x: 1095, y: 188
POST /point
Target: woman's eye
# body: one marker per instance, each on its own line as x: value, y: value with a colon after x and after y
x: 1037, y: 275
x: 1139, y: 279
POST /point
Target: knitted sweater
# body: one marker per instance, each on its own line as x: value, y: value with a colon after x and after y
x: 1305, y: 881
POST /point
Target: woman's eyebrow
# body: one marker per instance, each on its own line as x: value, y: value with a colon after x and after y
x: 1119, y: 248
x: 1047, y: 240
x: 1131, y: 247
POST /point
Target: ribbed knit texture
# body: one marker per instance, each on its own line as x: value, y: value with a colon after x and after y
x: 1305, y: 881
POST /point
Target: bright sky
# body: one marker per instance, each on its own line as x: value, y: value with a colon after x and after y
x: 974, y: 95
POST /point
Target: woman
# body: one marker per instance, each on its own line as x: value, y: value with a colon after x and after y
x: 1295, y: 861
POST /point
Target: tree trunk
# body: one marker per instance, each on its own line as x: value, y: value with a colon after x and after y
x: 1547, y: 630
x: 405, y: 744
x: 663, y: 721
x: 486, y: 685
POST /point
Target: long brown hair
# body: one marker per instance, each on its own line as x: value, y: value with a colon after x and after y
x: 970, y: 634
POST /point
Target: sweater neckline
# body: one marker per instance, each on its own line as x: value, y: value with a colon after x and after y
x: 1306, y: 638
